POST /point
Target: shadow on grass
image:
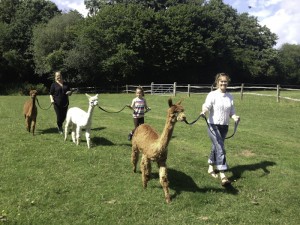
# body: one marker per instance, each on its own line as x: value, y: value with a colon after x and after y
x: 95, y: 141
x: 101, y: 141
x: 181, y: 182
x: 98, y: 128
x: 49, y: 131
x: 54, y: 130
x: 237, y: 171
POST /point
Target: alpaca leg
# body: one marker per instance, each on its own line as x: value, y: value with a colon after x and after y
x: 66, y: 129
x: 27, y: 123
x: 134, y: 157
x: 163, y: 178
x: 88, y: 138
x: 33, y: 126
x: 74, y: 136
x: 78, y: 130
x: 146, y: 170
x: 73, y: 133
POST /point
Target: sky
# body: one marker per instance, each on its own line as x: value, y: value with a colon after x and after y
x: 282, y: 17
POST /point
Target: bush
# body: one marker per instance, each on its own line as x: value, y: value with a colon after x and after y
x: 22, y: 89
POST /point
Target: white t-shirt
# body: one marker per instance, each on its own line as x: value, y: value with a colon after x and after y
x: 220, y: 107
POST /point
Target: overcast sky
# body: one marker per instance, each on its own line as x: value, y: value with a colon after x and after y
x: 282, y: 17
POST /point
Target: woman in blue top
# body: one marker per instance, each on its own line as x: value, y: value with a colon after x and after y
x: 219, y: 105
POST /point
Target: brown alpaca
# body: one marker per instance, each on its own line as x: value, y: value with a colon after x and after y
x: 30, y: 112
x: 154, y: 147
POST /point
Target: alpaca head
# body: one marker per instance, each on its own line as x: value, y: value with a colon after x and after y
x: 33, y: 93
x: 93, y: 100
x: 176, y: 111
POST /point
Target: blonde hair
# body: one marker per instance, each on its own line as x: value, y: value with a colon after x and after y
x: 218, y: 77
x: 56, y: 74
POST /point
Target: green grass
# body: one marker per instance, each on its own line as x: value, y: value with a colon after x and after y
x: 45, y: 180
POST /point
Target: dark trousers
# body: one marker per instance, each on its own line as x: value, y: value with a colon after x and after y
x: 61, y: 113
x: 137, y: 122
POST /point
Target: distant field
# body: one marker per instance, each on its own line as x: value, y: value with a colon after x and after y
x: 45, y: 180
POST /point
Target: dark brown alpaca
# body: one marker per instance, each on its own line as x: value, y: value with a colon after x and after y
x: 30, y: 112
x: 154, y: 147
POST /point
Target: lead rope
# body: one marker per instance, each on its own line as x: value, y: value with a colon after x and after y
x: 40, y: 105
x: 110, y: 111
x: 203, y: 116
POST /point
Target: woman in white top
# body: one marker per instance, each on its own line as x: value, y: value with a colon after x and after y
x: 219, y: 105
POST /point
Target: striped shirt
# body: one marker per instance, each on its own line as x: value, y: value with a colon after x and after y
x: 139, y: 106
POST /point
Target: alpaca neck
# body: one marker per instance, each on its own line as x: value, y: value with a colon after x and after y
x: 167, y: 132
x: 89, y: 113
x: 33, y: 104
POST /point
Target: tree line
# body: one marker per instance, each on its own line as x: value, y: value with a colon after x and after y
x: 134, y: 41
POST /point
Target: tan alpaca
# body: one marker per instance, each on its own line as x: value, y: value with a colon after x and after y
x: 30, y: 112
x: 154, y: 147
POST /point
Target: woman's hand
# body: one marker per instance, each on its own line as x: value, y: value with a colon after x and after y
x: 69, y: 93
x: 236, y: 118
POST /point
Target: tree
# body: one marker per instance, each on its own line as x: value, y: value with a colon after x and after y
x: 237, y: 44
x: 289, y: 61
x: 15, y: 44
x: 52, y: 43
x: 7, y: 10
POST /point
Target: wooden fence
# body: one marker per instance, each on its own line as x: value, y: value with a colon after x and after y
x: 173, y: 89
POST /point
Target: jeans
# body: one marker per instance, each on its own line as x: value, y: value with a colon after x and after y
x: 217, y: 134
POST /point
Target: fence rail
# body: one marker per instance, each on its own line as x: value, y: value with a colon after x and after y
x: 173, y: 89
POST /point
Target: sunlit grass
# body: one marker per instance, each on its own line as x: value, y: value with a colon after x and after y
x: 45, y: 180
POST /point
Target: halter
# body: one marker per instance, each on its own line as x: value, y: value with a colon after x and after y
x: 92, y: 102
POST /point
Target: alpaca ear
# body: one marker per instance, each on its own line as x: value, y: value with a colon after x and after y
x: 87, y: 95
x: 170, y: 102
x: 178, y: 103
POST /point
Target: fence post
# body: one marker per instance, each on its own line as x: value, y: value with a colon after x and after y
x: 152, y: 88
x: 189, y: 89
x: 278, y: 93
x: 126, y: 88
x: 174, y: 89
x: 212, y: 88
x: 242, y: 91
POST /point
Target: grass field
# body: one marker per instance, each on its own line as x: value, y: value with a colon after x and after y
x: 45, y: 180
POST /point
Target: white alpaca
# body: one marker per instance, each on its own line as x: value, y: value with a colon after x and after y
x: 78, y: 119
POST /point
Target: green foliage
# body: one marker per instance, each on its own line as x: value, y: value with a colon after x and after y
x: 26, y: 87
x: 289, y: 61
x: 52, y: 43
x: 23, y: 89
x: 45, y: 180
x: 137, y: 42
x: 19, y: 18
x: 7, y: 10
x: 132, y: 42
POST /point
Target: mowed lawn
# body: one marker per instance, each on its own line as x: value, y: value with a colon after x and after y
x: 45, y: 180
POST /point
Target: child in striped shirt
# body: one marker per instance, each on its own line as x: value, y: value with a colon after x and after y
x: 139, y: 107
